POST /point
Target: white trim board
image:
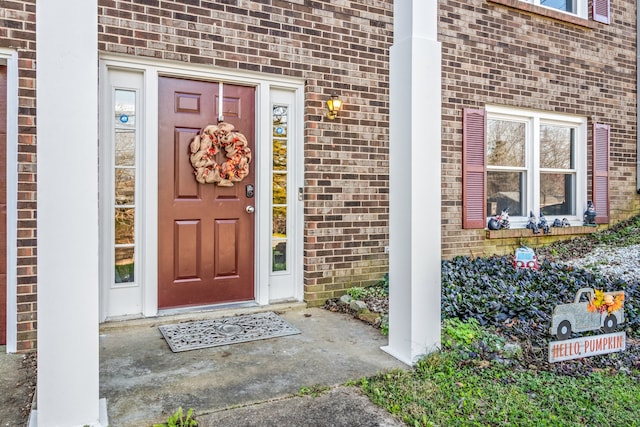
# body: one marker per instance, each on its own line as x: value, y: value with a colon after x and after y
x: 10, y: 59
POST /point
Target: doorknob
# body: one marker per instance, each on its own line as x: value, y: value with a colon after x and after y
x: 250, y: 209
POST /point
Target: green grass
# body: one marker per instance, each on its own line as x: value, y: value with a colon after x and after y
x: 446, y: 390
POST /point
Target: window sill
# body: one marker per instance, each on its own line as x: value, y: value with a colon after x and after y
x: 543, y: 11
x: 525, y: 232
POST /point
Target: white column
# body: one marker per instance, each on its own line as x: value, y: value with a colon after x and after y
x: 67, y: 138
x: 415, y: 181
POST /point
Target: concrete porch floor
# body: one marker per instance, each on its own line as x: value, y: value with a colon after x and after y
x: 243, y: 384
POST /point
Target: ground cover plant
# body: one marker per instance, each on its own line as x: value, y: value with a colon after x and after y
x: 446, y: 389
x: 492, y: 368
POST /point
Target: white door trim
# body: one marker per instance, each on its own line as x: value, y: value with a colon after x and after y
x: 147, y: 165
x: 10, y: 57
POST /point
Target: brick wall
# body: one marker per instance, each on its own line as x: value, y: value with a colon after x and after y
x: 17, y: 32
x: 496, y: 53
x: 492, y: 53
x: 338, y: 46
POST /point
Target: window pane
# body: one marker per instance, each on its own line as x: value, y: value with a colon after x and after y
x: 564, y: 5
x: 125, y: 109
x: 556, y: 147
x: 280, y: 130
x: 280, y: 113
x: 124, y: 226
x: 125, y: 186
x: 279, y: 155
x: 557, y: 193
x: 279, y: 261
x: 506, y: 143
x: 506, y: 190
x: 125, y: 148
x: 280, y: 222
x: 279, y: 189
x: 124, y: 265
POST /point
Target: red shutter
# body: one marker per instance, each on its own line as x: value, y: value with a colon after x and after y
x: 474, y: 201
x: 600, y: 172
x: 601, y: 11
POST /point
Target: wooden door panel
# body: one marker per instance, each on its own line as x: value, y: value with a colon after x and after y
x: 205, y: 236
x: 187, y: 102
x: 185, y: 186
x: 226, y: 248
x: 187, y: 250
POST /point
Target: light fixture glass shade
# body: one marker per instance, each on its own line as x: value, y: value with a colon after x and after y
x: 333, y: 106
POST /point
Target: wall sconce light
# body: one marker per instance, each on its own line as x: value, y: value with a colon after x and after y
x: 334, y: 105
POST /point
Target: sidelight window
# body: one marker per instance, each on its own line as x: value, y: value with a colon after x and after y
x: 279, y: 179
x: 124, y: 173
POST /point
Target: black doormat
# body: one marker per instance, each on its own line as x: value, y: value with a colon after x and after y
x: 228, y: 330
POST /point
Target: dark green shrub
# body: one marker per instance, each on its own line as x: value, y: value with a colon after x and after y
x: 493, y: 292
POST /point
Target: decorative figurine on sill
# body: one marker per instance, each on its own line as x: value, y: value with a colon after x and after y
x: 500, y: 222
x: 533, y: 223
x: 543, y: 224
x: 564, y: 222
x: 590, y: 215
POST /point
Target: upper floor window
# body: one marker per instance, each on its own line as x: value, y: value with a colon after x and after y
x: 574, y: 7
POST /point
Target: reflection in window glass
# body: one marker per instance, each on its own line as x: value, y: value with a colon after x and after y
x: 280, y: 130
x: 506, y: 190
x: 124, y: 225
x: 563, y: 5
x: 125, y: 148
x: 124, y: 172
x: 279, y: 189
x: 125, y: 109
x: 125, y: 186
x: 280, y: 222
x: 279, y: 260
x: 557, y: 193
x: 557, y: 147
x: 279, y: 155
x: 124, y: 267
x: 279, y: 176
x: 506, y: 143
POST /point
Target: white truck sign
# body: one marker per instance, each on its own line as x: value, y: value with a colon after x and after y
x: 591, y: 310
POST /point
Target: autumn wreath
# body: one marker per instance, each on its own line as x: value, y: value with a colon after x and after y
x: 215, y: 139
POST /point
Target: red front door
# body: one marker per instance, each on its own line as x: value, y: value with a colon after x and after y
x: 3, y: 205
x: 205, y: 234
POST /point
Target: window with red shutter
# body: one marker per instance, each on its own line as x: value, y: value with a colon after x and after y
x: 524, y: 160
x: 473, y: 169
x: 601, y: 11
x: 600, y: 172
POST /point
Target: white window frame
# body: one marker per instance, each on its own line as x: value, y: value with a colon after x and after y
x: 581, y: 7
x: 534, y: 119
x: 126, y: 296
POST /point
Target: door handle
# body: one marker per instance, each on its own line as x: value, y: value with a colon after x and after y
x: 250, y: 209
